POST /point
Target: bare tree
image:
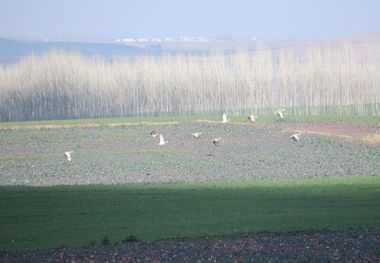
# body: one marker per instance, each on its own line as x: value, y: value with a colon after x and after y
x: 320, y: 79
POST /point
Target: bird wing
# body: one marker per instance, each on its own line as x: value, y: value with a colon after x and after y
x: 161, y: 139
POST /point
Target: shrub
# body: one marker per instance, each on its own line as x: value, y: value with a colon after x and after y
x: 105, y: 241
x: 130, y: 238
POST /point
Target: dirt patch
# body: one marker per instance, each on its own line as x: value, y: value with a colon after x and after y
x: 372, y: 139
x: 368, y: 134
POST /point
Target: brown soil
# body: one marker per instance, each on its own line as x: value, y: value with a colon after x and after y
x: 360, y: 245
x: 368, y: 134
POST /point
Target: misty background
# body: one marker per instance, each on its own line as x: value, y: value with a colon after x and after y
x: 100, y: 19
x: 86, y: 59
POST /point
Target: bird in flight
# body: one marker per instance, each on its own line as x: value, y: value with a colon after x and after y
x: 280, y: 114
x: 224, y: 120
x: 68, y: 155
x: 296, y: 137
x: 196, y: 135
x: 216, y: 141
x: 154, y: 134
x: 162, y: 141
x: 252, y: 118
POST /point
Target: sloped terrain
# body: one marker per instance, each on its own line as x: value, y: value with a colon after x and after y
x: 122, y: 155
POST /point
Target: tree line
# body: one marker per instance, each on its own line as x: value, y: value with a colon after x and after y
x: 319, y: 79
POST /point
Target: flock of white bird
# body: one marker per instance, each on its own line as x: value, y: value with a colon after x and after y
x: 216, y: 141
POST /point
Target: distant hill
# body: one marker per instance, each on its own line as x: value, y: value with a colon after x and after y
x: 366, y: 46
x: 13, y: 50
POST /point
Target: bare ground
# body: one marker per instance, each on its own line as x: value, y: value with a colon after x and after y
x: 365, y: 133
x: 359, y: 245
x: 128, y: 154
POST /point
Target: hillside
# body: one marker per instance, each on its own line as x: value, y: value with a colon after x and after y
x: 13, y: 50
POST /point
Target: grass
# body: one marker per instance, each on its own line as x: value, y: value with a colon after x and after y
x: 373, y: 119
x: 45, y: 217
x: 98, y: 121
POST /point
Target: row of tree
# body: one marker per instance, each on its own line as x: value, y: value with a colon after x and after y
x: 320, y: 79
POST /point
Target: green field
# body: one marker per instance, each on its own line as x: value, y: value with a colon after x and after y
x: 45, y: 217
x: 163, y: 119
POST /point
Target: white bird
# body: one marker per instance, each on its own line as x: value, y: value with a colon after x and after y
x: 280, y: 114
x: 162, y: 141
x: 252, y: 118
x: 225, y: 118
x: 216, y: 141
x: 153, y: 134
x: 295, y: 137
x: 68, y: 155
x: 196, y: 135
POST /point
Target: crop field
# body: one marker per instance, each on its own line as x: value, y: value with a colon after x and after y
x: 128, y: 154
x: 120, y: 183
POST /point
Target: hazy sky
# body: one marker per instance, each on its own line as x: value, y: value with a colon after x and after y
x: 142, y: 18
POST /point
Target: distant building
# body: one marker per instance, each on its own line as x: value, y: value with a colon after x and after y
x: 129, y: 40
